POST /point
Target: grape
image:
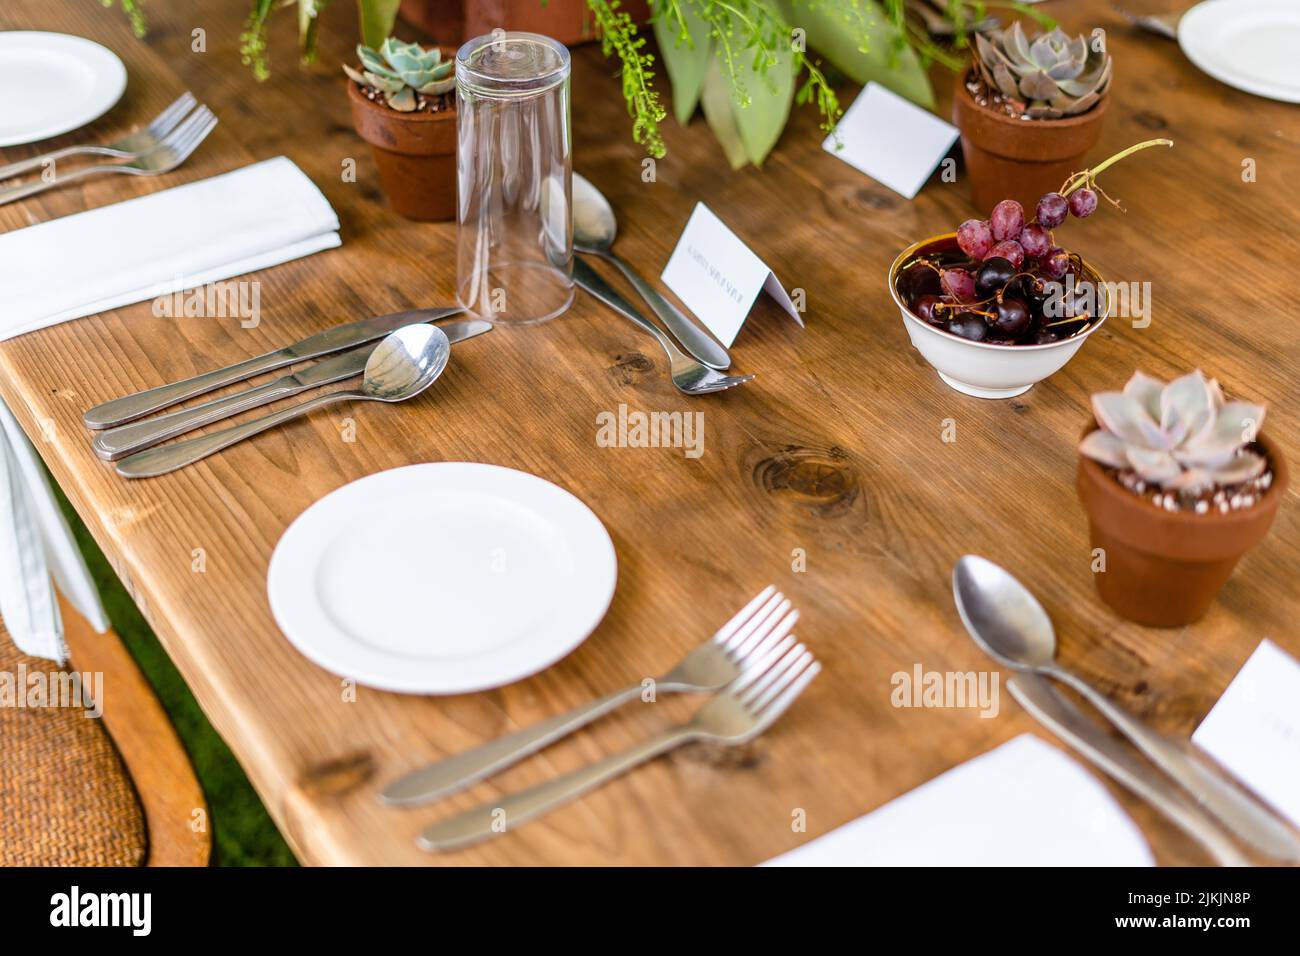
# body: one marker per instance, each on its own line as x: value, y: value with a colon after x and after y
x: 975, y: 238
x: 1035, y: 240
x: 925, y: 307
x: 1055, y: 264
x: 1013, y: 317
x: 958, y: 283
x: 1008, y: 219
x: 1010, y: 250
x: 1083, y: 203
x: 1052, y: 210
x: 968, y: 326
x: 993, y: 275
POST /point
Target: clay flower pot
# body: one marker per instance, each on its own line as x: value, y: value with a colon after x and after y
x: 1163, y: 568
x: 1009, y: 158
x: 415, y: 153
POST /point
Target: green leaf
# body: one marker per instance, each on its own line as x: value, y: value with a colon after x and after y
x: 687, y: 62
x: 716, y: 99
x: 836, y: 31
x: 377, y: 19
x: 770, y: 90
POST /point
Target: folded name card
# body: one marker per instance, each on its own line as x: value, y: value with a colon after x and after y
x: 891, y: 139
x: 719, y: 277
x: 1254, y: 729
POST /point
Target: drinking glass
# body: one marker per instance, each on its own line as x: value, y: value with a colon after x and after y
x: 514, y: 236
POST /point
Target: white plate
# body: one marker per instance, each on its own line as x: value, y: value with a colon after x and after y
x: 1249, y: 44
x: 442, y: 578
x: 51, y: 83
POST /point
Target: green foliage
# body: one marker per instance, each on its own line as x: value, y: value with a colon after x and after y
x: 618, y: 34
x: 403, y: 72
x: 134, y: 13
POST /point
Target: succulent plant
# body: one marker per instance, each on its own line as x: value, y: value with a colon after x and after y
x: 1049, y: 76
x: 401, y: 70
x: 1181, y: 437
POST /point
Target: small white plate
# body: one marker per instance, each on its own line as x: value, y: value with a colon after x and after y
x: 442, y: 578
x: 1248, y: 44
x: 51, y: 83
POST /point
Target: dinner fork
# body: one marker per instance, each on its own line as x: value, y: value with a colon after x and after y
x: 174, y: 149
x: 711, y: 666
x: 690, y: 376
x: 128, y: 147
x: 736, y: 715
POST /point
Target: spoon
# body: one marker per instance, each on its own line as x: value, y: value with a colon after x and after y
x: 594, y: 228
x: 402, y: 366
x: 1011, y: 626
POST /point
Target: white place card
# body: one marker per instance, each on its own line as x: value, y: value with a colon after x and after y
x: 891, y: 139
x: 719, y: 277
x: 1254, y: 729
x: 1025, y: 803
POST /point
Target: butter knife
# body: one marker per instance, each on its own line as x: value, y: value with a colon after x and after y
x: 1062, y: 717
x: 340, y: 337
x: 127, y: 439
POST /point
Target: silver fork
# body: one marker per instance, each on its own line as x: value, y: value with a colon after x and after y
x: 174, y: 149
x: 734, y: 716
x: 690, y: 376
x: 128, y: 147
x: 709, y: 667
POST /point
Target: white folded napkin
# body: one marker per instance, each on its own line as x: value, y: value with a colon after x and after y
x: 1024, y: 803
x: 35, y: 542
x: 168, y: 241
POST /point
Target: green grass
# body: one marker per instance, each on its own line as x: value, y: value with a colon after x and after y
x: 242, y: 831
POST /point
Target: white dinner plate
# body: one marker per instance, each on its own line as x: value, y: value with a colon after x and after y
x: 51, y: 83
x: 442, y: 578
x: 1252, y: 45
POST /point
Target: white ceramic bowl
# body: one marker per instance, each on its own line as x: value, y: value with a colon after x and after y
x: 983, y: 369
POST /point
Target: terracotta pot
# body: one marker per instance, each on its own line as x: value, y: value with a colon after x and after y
x: 452, y: 22
x: 415, y: 153
x: 1163, y: 569
x: 1019, y: 159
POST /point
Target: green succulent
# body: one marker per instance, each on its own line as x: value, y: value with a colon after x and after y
x: 401, y: 70
x: 1049, y: 76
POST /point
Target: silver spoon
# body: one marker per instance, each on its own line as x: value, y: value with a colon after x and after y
x: 1012, y: 628
x: 402, y: 366
x: 594, y: 228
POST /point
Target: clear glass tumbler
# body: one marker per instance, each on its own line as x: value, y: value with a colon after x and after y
x: 514, y: 237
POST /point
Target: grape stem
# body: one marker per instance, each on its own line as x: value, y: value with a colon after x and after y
x: 1088, y: 177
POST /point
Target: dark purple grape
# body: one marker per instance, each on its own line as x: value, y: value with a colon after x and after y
x: 993, y: 275
x: 959, y: 284
x: 1055, y: 264
x: 1013, y: 317
x: 1008, y: 219
x: 968, y: 326
x: 1052, y: 210
x: 919, y: 279
x: 1035, y: 240
x: 1083, y: 203
x: 1010, y: 250
x: 975, y: 237
x: 925, y: 308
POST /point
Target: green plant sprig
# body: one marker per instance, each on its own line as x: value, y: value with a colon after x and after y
x: 618, y: 34
x: 134, y: 10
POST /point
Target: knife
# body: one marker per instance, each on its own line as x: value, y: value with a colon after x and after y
x: 1062, y: 717
x: 127, y: 439
x: 130, y: 407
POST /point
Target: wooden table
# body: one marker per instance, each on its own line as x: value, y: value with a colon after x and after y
x: 835, y: 452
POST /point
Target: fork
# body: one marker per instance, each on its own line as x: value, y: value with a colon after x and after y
x: 735, y: 715
x: 709, y: 667
x: 128, y: 147
x: 690, y: 376
x: 174, y: 149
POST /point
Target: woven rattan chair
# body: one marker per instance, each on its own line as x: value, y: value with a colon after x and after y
x: 113, y: 791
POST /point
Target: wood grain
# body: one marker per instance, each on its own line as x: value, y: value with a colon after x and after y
x: 836, y: 449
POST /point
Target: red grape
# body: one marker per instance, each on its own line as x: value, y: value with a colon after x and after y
x: 1083, y: 203
x: 1056, y: 263
x: 958, y: 283
x: 1008, y: 219
x: 1035, y: 240
x: 975, y: 238
x: 1010, y: 250
x: 1052, y: 210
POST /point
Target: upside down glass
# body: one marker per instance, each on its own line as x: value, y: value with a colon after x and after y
x: 514, y: 237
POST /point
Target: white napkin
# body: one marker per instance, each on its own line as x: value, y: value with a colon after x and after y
x: 35, y: 542
x: 165, y: 242
x: 1024, y: 803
